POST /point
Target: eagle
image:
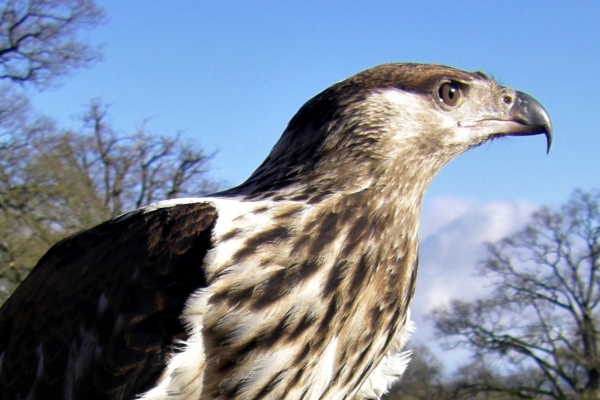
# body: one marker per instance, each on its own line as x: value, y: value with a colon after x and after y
x: 295, y: 284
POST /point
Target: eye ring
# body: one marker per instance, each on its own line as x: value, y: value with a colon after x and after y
x: 449, y: 94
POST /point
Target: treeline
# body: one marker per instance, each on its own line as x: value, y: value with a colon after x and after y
x: 536, y: 335
x: 54, y: 182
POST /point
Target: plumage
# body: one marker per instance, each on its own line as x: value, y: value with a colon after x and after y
x: 295, y: 284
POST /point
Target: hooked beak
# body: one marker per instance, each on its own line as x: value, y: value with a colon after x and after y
x: 529, y: 118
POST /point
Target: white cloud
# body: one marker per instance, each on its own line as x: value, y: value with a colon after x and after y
x: 453, y: 232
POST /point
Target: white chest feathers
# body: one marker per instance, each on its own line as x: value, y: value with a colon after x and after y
x: 185, y: 373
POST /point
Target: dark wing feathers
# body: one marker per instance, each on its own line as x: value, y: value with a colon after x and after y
x: 113, y: 295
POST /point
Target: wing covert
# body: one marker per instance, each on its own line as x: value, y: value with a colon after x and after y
x: 100, y: 311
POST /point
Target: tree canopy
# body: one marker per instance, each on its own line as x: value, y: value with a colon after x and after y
x: 538, y: 331
x: 54, y: 182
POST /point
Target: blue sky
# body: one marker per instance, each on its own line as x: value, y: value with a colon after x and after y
x: 230, y: 75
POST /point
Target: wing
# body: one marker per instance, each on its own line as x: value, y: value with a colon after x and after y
x: 98, y: 316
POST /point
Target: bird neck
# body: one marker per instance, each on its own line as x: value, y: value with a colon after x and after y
x: 339, y: 272
x: 379, y: 230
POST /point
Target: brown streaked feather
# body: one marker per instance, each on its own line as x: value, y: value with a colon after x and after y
x: 307, y: 289
x: 119, y: 289
x: 307, y: 150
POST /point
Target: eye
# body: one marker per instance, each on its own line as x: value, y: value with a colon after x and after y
x: 449, y: 94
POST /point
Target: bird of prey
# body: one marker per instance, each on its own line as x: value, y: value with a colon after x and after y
x: 295, y: 284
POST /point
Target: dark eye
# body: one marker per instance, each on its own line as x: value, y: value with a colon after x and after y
x: 449, y: 94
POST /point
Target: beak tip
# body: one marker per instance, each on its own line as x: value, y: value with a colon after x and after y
x: 531, y: 111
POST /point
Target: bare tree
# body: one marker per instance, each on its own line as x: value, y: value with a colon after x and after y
x: 20, y: 190
x: 129, y: 171
x: 38, y: 43
x: 54, y: 184
x: 38, y: 38
x: 540, y: 326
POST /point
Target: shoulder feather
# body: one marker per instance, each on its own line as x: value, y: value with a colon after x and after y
x: 101, y: 309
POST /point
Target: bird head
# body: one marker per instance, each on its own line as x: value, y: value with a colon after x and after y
x: 468, y: 109
x: 408, y: 119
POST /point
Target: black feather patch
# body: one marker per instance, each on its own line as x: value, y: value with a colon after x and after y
x: 143, y: 268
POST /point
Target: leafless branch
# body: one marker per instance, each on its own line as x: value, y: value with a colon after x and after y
x: 38, y: 38
x: 542, y: 314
